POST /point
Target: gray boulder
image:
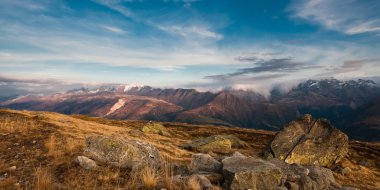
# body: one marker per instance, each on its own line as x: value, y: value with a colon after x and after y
x: 250, y: 173
x: 204, y: 163
x: 307, y: 141
x: 123, y: 153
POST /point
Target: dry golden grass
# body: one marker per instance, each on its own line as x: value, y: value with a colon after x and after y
x: 149, y: 178
x: 52, y: 146
x: 8, y: 182
x: 10, y: 124
x: 2, y: 165
x: 43, y: 179
x: 73, y: 145
x: 167, y: 173
x: 109, y: 175
x: 193, y: 184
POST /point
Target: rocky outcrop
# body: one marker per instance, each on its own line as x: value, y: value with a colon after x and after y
x: 204, y: 163
x: 216, y: 144
x: 155, y: 128
x: 122, y: 153
x: 307, y: 141
x: 305, y: 177
x: 242, y: 172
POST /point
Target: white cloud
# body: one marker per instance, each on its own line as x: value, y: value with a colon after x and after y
x: 114, y: 29
x: 190, y: 31
x: 348, y: 16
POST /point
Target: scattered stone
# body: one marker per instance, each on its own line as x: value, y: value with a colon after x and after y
x: 123, y: 153
x: 86, y: 163
x: 204, y: 163
x: 238, y: 154
x: 34, y: 142
x: 155, y: 128
x: 307, y: 141
x: 12, y: 168
x: 203, y: 182
x: 216, y: 144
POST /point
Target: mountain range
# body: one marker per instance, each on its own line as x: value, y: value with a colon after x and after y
x: 353, y: 106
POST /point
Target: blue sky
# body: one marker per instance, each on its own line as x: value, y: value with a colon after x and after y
x: 203, y: 44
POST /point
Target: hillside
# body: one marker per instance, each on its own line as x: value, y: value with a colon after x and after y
x: 38, y: 150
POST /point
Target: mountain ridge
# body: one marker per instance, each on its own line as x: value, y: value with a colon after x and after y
x: 328, y: 98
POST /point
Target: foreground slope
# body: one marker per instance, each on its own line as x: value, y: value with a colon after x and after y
x: 37, y: 149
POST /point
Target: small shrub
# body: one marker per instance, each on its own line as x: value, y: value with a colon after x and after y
x: 149, y: 178
x: 193, y: 184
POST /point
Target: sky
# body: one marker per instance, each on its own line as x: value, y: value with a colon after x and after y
x: 202, y: 44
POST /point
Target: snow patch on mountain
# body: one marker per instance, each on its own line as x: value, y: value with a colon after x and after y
x: 116, y: 106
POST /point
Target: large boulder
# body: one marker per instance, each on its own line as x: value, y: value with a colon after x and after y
x: 204, y: 163
x: 123, y: 153
x: 216, y: 144
x: 250, y: 173
x: 308, y: 141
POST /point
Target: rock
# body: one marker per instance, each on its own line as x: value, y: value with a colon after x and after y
x: 305, y: 177
x: 214, y: 178
x: 204, y: 163
x: 155, y: 128
x: 215, y: 143
x: 238, y: 154
x: 86, y: 163
x: 193, y: 182
x: 323, y: 177
x: 123, y: 153
x: 291, y: 185
x: 250, y: 173
x: 307, y: 141
x: 12, y: 168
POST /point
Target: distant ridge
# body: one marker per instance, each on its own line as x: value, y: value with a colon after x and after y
x: 342, y: 102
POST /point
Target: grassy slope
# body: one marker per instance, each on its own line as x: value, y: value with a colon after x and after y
x: 43, y: 145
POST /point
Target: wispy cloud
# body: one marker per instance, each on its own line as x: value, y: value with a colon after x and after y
x: 190, y: 31
x: 350, y: 17
x: 278, y: 67
x: 114, y: 29
x: 23, y: 86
